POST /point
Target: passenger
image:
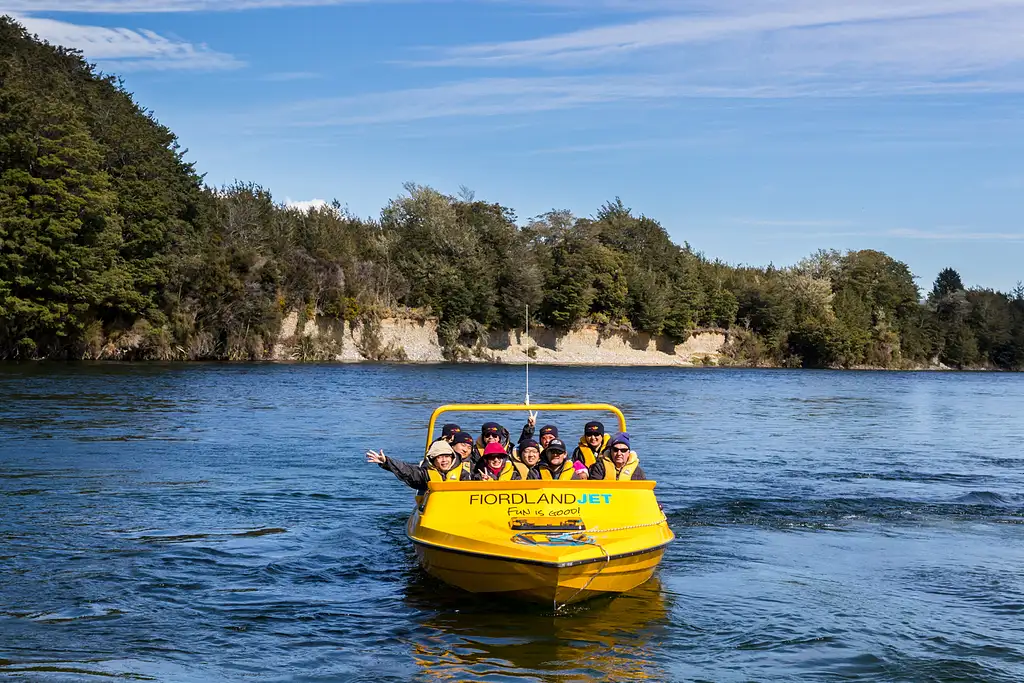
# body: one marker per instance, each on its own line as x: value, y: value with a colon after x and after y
x: 529, y: 457
x: 444, y: 465
x: 449, y: 431
x: 547, y: 432
x: 492, y: 432
x: 557, y: 466
x: 618, y: 462
x: 592, y: 444
x: 462, y: 444
x: 496, y: 465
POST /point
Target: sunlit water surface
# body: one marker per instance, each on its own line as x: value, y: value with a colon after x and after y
x: 218, y: 522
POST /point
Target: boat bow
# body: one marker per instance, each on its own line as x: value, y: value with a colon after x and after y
x: 557, y: 541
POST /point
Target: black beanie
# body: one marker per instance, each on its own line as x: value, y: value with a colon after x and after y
x: 594, y: 428
x: 462, y: 437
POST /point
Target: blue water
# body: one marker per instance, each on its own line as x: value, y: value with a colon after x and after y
x: 218, y: 522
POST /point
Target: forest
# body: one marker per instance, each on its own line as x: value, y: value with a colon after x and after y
x: 106, y: 230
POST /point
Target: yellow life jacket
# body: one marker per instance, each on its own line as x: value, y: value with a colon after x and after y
x: 506, y: 471
x: 567, y: 472
x: 626, y: 473
x: 589, y: 457
x: 521, y: 467
x: 454, y: 474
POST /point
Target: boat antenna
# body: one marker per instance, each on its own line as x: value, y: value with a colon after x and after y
x: 527, y: 354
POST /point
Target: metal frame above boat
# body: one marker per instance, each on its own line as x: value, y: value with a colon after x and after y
x: 521, y: 407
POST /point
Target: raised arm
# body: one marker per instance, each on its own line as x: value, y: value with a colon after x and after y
x: 412, y: 475
x: 531, y: 423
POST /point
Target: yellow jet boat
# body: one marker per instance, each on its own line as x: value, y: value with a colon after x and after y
x: 553, y: 542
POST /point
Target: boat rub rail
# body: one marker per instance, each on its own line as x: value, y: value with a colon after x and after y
x: 542, y: 563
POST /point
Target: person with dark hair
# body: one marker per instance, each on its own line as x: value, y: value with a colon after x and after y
x: 547, y: 432
x: 556, y: 466
x: 529, y: 457
x: 618, y: 462
x: 449, y: 431
x: 492, y: 432
x: 462, y: 444
x: 592, y: 444
x: 443, y: 465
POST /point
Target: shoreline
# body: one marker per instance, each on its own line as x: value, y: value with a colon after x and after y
x: 417, y: 341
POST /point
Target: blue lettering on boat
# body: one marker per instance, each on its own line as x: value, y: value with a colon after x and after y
x: 593, y: 498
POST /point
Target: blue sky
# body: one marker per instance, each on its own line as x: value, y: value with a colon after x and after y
x: 756, y: 131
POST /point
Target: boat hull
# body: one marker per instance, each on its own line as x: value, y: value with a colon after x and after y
x: 546, y: 584
x: 463, y: 539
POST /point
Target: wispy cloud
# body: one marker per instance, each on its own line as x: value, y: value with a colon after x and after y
x: 507, y: 97
x: 667, y: 144
x: 129, y: 49
x: 786, y: 223
x: 158, y: 6
x: 956, y: 235
x: 283, y: 76
x: 737, y: 19
x: 866, y: 47
x: 482, y: 97
x: 930, y: 235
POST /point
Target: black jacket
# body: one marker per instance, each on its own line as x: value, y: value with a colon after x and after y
x: 417, y: 476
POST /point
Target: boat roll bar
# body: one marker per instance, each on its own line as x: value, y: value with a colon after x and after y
x: 522, y: 407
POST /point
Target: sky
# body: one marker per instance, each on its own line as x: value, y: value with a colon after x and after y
x: 758, y: 131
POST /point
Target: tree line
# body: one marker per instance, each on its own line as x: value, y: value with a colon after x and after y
x: 106, y: 233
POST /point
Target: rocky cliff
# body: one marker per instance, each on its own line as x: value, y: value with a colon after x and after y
x: 416, y: 341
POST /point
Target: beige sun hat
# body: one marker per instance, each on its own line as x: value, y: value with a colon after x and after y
x: 440, y: 448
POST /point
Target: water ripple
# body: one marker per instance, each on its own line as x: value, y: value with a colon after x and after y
x: 216, y: 522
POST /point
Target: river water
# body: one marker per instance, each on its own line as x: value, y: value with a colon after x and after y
x: 218, y: 522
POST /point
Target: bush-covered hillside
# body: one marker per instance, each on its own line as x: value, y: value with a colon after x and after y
x: 107, y: 233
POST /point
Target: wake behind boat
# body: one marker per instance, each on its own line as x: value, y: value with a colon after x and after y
x: 553, y: 542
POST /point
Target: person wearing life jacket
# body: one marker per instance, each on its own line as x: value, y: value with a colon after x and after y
x: 443, y: 465
x: 547, y: 432
x: 592, y: 444
x: 529, y: 457
x: 556, y: 466
x: 492, y: 432
x: 618, y: 462
x: 496, y: 465
x: 462, y: 444
x: 449, y: 431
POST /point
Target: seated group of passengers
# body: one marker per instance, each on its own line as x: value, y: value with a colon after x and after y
x: 456, y: 456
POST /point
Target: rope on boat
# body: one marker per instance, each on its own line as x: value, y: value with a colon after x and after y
x: 664, y: 520
x: 607, y: 561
